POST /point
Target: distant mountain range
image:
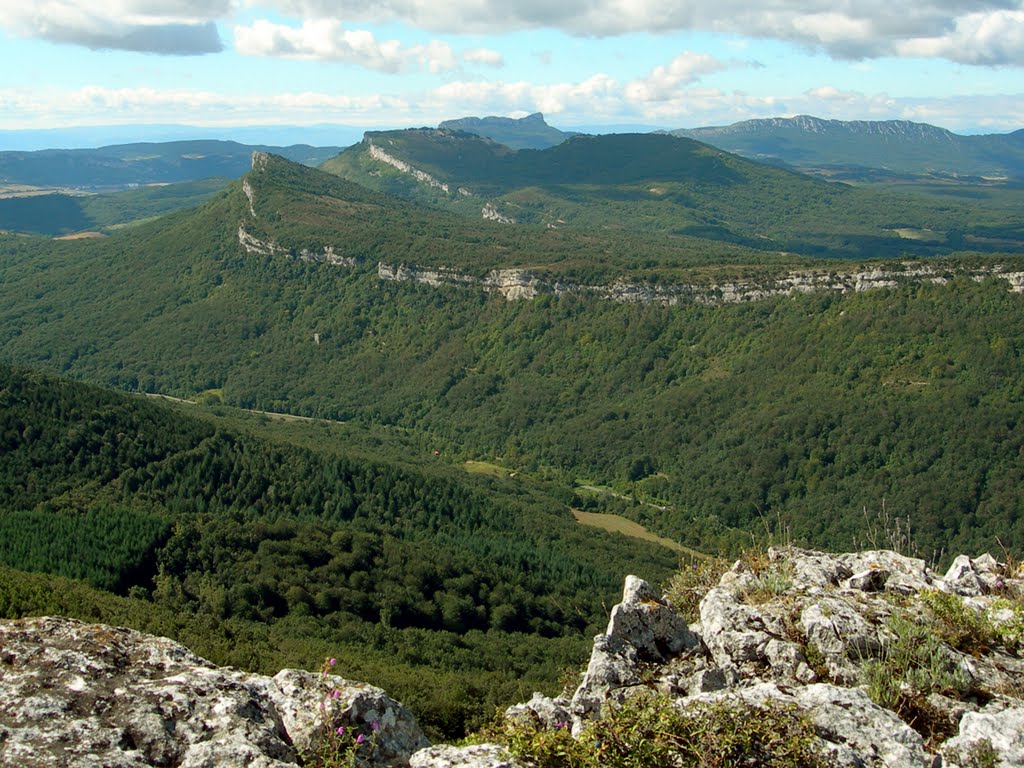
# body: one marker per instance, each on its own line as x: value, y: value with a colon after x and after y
x: 858, y: 148
x: 93, y: 136
x: 66, y: 191
x: 124, y: 165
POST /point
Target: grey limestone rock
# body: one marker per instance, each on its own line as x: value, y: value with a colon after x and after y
x: 75, y: 694
x: 551, y: 713
x: 643, y: 630
x: 998, y: 729
x: 857, y: 732
x: 476, y: 756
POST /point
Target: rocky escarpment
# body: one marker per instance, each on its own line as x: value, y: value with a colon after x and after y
x: 887, y: 663
x: 516, y: 284
x: 74, y: 694
x: 421, y: 176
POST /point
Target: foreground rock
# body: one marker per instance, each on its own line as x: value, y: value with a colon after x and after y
x: 821, y: 637
x: 74, y: 694
x: 816, y: 633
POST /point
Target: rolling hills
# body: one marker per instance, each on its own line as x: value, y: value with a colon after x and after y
x: 810, y: 410
x: 660, y: 184
x: 121, y: 165
x: 64, y: 192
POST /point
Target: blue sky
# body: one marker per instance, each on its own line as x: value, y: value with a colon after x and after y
x: 398, y: 63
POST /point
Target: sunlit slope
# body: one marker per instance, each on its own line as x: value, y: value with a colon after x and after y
x: 660, y: 183
x: 801, y: 410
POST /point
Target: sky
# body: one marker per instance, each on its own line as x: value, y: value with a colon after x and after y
x: 958, y: 64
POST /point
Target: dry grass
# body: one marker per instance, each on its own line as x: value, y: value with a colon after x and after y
x: 618, y: 524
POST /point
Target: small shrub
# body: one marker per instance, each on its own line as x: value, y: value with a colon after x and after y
x: 1008, y: 632
x: 912, y: 665
x: 650, y: 732
x: 767, y: 586
x: 816, y: 661
x: 981, y: 754
x: 961, y: 626
x: 690, y: 583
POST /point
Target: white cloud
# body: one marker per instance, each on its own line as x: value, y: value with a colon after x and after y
x: 596, y: 99
x: 664, y: 81
x: 97, y: 105
x: 177, y: 27
x: 597, y: 95
x: 980, y: 38
x: 328, y: 40
x: 483, y: 56
x: 967, y: 31
x: 974, y: 32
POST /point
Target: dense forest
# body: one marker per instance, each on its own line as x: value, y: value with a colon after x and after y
x: 139, y: 499
x: 804, y: 410
x: 817, y: 418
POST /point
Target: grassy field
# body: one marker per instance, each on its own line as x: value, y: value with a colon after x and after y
x: 618, y: 524
x: 487, y: 468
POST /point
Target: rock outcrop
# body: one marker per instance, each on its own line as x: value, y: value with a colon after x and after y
x: 74, y: 694
x: 888, y: 663
x: 528, y: 285
x: 802, y: 629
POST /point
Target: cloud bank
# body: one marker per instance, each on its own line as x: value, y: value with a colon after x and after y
x: 967, y: 31
x: 176, y: 27
x: 972, y: 32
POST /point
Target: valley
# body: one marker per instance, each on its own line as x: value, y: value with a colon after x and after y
x: 429, y: 441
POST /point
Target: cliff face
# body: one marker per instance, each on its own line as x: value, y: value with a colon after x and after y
x: 516, y: 284
x: 885, y: 662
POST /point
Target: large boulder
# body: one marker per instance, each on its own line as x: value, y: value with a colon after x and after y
x: 643, y: 630
x: 83, y: 695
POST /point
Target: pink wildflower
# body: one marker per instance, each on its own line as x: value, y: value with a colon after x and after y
x: 375, y: 725
x: 331, y: 662
x: 360, y: 739
x: 341, y: 730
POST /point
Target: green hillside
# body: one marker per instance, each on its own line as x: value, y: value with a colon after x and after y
x: 219, y: 527
x: 801, y: 412
x: 661, y: 184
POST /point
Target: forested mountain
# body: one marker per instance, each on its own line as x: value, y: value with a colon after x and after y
x: 266, y: 554
x: 661, y: 184
x: 121, y: 165
x: 530, y: 132
x: 805, y: 411
x: 865, y: 148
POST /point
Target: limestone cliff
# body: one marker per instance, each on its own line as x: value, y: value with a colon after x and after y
x: 521, y: 283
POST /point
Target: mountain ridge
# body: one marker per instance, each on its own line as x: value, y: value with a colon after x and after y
x: 897, y: 146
